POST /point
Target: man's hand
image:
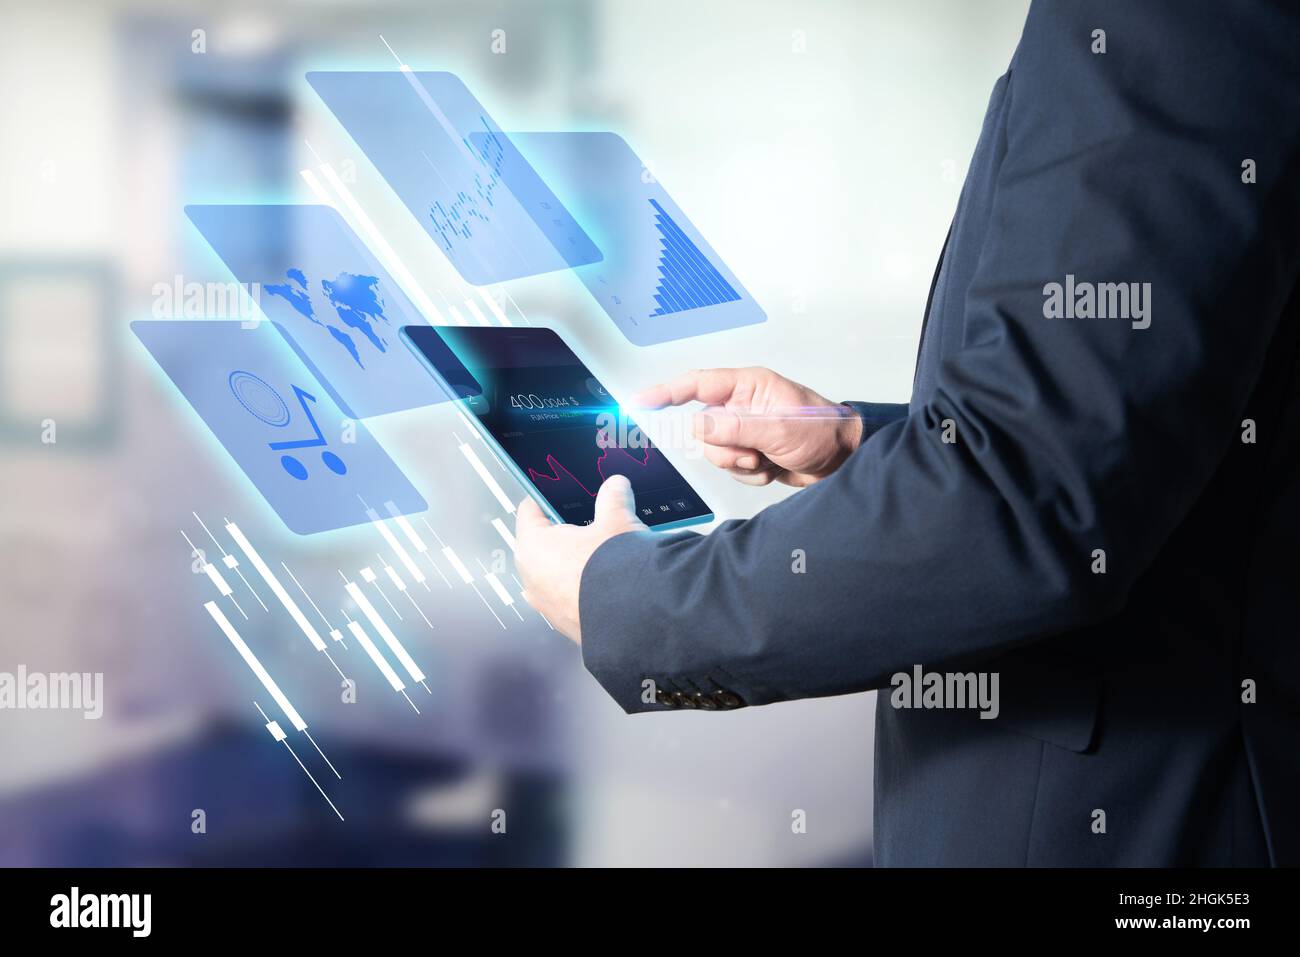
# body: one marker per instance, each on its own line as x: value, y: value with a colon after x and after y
x: 762, y: 427
x: 550, y: 558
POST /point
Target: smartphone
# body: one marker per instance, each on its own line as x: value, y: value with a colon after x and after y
x: 553, y: 424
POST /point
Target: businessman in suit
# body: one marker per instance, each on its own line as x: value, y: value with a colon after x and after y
x: 1094, y: 492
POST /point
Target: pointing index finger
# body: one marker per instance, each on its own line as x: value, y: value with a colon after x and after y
x: 710, y: 386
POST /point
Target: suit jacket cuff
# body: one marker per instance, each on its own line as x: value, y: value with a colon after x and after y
x: 876, y: 415
x: 623, y: 647
x: 609, y: 632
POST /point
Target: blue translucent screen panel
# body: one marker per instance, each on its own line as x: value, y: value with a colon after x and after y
x: 660, y: 279
x: 416, y: 128
x: 311, y: 463
x: 329, y: 296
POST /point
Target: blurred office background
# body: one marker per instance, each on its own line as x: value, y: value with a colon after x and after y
x: 819, y: 146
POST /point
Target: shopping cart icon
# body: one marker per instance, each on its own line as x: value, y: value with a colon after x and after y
x: 265, y: 403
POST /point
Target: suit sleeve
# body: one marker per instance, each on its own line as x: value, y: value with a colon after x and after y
x: 876, y: 415
x: 970, y: 526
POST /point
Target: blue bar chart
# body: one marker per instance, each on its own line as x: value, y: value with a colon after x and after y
x: 660, y: 278
x: 687, y: 279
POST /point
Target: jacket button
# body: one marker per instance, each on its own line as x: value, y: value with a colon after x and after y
x: 705, y: 701
x: 728, y: 699
x: 685, y: 700
x: 665, y: 699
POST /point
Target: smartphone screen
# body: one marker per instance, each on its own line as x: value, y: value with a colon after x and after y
x: 554, y: 421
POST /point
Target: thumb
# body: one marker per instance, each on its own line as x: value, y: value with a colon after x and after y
x: 528, y: 515
x: 615, y: 502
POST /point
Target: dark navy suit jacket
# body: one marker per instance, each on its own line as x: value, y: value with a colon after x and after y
x: 1127, y: 692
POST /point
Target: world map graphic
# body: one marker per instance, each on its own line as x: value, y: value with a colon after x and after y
x: 356, y: 300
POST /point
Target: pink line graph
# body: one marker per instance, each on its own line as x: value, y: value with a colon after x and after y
x: 556, y: 468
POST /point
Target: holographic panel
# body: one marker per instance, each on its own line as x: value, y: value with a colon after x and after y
x: 416, y: 129
x: 329, y: 296
x: 659, y: 279
x: 315, y: 466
